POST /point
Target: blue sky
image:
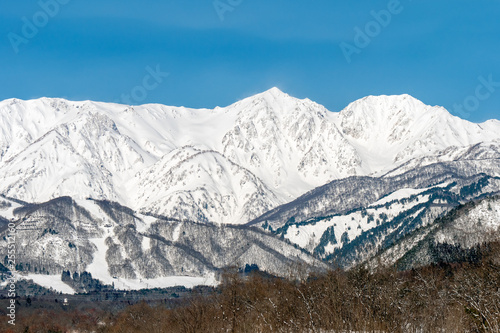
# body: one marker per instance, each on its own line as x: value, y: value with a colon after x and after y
x: 441, y: 52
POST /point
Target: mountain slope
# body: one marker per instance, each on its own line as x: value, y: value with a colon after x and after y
x: 350, y: 220
x: 204, y: 184
x: 453, y: 237
x: 391, y: 129
x: 134, y: 251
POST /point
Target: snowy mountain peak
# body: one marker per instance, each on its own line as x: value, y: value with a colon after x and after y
x: 277, y: 104
x: 271, y: 98
x: 275, y: 91
x: 387, y: 106
x: 387, y: 117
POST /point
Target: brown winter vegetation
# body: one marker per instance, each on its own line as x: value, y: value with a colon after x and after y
x: 462, y: 297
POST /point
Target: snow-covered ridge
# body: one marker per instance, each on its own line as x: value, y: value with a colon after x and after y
x: 226, y: 165
x: 134, y: 251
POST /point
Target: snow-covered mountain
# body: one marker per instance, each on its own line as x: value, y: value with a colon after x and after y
x: 226, y: 165
x: 350, y: 221
x: 154, y: 195
x: 453, y: 237
x: 133, y: 251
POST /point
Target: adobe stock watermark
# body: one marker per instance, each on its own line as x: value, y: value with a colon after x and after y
x: 150, y: 82
x: 483, y: 91
x: 224, y: 6
x: 364, y: 36
x: 11, y: 265
x: 31, y: 26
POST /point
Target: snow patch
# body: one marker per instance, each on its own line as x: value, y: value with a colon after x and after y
x: 49, y: 281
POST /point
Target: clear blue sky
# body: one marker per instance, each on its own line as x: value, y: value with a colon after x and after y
x: 99, y: 50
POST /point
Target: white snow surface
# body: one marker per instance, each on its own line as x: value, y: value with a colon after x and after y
x: 165, y: 282
x: 226, y: 165
x: 54, y: 282
x: 49, y: 281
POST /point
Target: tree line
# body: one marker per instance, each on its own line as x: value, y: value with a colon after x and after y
x: 445, y: 297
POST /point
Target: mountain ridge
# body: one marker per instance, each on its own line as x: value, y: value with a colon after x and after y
x: 289, y: 146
